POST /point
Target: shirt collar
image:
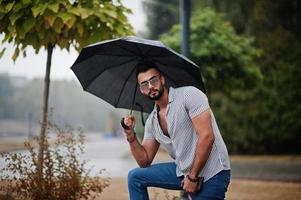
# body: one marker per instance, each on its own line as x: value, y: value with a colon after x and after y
x: 171, y: 94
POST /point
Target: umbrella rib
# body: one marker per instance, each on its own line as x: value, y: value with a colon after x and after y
x: 110, y: 67
x: 115, y: 55
x: 176, y: 54
x: 121, y: 47
x: 146, y: 53
x: 124, y: 86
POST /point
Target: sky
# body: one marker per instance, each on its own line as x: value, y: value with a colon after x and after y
x: 34, y: 65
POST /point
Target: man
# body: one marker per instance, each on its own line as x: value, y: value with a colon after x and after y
x: 185, y: 126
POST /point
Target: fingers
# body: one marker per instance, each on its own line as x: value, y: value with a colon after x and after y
x: 188, y: 186
x: 129, y: 120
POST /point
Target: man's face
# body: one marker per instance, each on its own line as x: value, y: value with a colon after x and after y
x: 151, y: 84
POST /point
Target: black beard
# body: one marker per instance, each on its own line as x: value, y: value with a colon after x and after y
x: 157, y: 97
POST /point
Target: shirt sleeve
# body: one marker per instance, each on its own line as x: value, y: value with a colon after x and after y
x: 148, y: 133
x: 195, y: 101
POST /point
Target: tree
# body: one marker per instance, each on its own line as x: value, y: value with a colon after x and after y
x: 62, y: 23
x: 276, y: 27
x: 279, y: 35
x: 229, y: 71
x: 226, y: 58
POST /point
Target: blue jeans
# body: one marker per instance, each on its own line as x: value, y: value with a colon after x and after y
x: 163, y: 175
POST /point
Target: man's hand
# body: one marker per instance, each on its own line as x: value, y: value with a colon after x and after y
x: 189, y: 186
x: 129, y: 120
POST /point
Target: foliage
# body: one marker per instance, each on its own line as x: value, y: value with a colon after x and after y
x: 226, y: 59
x: 41, y: 23
x: 276, y: 27
x: 65, y: 175
x: 229, y: 71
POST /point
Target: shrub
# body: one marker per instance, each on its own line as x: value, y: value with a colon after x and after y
x: 65, y: 176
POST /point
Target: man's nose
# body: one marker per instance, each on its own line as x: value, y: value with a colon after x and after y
x: 150, y: 86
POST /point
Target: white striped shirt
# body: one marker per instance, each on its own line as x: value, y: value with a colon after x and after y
x: 185, y: 103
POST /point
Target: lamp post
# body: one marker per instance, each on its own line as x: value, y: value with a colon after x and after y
x: 184, y: 20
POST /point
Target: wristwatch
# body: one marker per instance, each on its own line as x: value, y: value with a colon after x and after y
x: 195, y: 180
x: 199, y: 181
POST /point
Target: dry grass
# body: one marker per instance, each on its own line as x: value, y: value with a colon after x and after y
x: 238, y: 190
x: 263, y: 190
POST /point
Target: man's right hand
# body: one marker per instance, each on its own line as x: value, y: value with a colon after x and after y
x: 129, y: 121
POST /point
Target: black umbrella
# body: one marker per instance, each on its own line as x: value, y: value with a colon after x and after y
x: 108, y: 70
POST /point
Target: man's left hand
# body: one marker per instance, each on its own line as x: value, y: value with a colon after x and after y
x: 189, y: 186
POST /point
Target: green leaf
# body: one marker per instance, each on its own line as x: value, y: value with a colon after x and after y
x: 63, y: 43
x: 66, y: 17
x: 58, y: 25
x: 29, y: 23
x: 2, y: 9
x: 18, y: 7
x: 85, y: 13
x: 100, y: 15
x: 41, y: 34
x: 71, y: 22
x: 53, y: 7
x: 12, y: 30
x: 25, y: 2
x: 16, y: 54
x: 9, y: 6
x: 6, y: 37
x: 75, y: 10
x: 15, y: 16
x: 38, y: 9
x: 32, y: 39
x: 111, y: 13
x: 2, y: 52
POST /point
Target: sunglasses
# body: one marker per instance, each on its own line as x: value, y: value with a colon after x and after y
x: 154, y: 81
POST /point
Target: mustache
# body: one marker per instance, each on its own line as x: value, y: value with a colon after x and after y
x: 152, y: 90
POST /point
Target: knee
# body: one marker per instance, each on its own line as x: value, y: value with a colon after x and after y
x: 133, y: 175
x: 135, y: 179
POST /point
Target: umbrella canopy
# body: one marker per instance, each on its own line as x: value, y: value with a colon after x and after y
x: 108, y: 70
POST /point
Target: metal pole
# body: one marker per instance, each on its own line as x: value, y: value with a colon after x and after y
x: 184, y: 19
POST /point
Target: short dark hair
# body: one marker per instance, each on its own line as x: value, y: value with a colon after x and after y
x: 143, y: 66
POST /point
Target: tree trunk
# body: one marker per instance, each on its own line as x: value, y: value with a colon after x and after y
x: 44, y: 115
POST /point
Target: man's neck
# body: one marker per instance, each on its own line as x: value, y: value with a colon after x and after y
x: 163, y: 101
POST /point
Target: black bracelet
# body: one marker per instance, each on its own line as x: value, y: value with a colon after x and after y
x: 195, y: 180
x: 131, y: 141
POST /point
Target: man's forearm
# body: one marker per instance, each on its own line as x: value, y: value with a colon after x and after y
x: 202, y: 152
x: 139, y: 153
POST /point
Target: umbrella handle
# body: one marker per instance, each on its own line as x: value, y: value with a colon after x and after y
x: 123, y: 124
